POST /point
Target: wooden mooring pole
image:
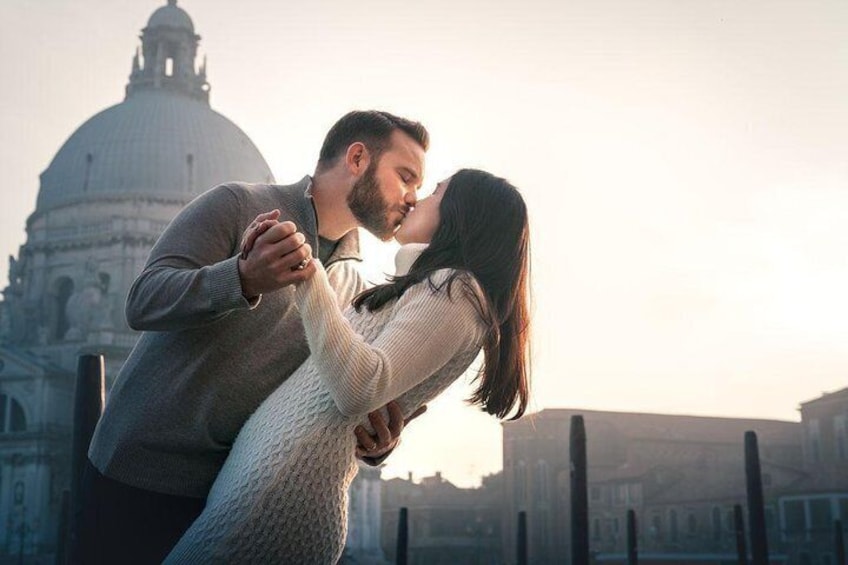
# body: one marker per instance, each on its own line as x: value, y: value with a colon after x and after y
x: 756, y: 504
x: 739, y: 528
x: 579, y: 494
x: 89, y: 397
x: 632, y: 543
x: 402, y: 552
x: 521, y: 547
x: 64, y: 528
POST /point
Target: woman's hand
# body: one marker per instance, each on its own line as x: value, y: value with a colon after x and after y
x: 273, y: 255
x: 256, y: 228
x: 386, y: 436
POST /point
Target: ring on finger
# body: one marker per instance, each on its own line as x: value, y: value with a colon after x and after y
x: 302, y: 265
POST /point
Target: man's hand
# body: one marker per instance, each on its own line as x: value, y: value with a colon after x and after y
x: 273, y: 255
x: 256, y: 228
x: 386, y: 434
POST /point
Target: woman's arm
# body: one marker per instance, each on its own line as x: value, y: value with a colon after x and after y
x: 426, y: 330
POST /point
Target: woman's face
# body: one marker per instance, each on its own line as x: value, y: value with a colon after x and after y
x: 420, y: 224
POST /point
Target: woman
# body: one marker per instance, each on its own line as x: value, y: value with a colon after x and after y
x: 282, y: 493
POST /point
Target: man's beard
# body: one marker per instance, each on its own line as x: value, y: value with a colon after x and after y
x: 369, y: 208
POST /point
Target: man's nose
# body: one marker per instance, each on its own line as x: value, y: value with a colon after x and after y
x: 410, y: 198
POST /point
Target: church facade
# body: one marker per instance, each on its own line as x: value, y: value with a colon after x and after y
x: 103, y: 201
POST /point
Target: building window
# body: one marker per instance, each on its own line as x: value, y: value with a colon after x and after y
x: 595, y: 494
x: 692, y: 524
x: 793, y: 513
x: 840, y: 436
x: 814, y: 438
x: 64, y: 288
x: 771, y: 521
x: 821, y: 518
x: 544, y: 525
x: 12, y: 418
x: 620, y: 495
x: 521, y: 485
x: 730, y: 521
x: 672, y: 525
x: 169, y: 67
x: 104, y: 279
x: 634, y: 494
x: 596, y: 529
x: 656, y: 526
x: 716, y: 520
x: 543, y: 479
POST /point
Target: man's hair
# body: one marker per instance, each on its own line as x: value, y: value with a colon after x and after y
x: 373, y: 128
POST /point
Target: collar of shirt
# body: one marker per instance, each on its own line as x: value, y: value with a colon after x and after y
x: 406, y: 256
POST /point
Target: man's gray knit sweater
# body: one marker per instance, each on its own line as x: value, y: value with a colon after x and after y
x: 207, y: 357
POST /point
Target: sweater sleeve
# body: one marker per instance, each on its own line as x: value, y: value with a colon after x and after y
x: 191, y: 277
x: 346, y: 282
x: 427, y: 329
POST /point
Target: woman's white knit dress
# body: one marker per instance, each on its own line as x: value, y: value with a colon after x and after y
x: 281, y: 496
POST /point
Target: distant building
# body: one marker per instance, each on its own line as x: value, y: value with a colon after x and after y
x: 363, y: 546
x: 103, y: 201
x: 680, y: 474
x: 808, y: 510
x: 447, y: 525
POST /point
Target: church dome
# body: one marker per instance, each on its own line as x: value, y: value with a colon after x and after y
x: 163, y: 141
x: 155, y: 143
x: 171, y: 16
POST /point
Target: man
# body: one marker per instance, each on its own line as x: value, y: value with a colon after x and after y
x: 221, y: 331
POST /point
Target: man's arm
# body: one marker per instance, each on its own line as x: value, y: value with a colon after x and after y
x: 194, y: 275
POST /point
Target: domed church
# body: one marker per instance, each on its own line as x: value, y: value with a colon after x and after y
x: 103, y: 201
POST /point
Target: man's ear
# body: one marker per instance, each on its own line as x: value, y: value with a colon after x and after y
x: 357, y: 158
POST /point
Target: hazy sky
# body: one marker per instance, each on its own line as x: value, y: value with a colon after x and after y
x: 684, y: 163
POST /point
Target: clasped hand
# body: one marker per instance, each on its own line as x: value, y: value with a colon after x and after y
x: 273, y: 255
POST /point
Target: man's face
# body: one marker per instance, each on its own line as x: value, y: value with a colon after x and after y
x: 382, y: 197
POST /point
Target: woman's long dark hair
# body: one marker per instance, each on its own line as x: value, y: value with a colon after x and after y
x: 483, y: 230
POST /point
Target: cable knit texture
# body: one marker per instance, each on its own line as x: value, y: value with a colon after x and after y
x: 282, y: 494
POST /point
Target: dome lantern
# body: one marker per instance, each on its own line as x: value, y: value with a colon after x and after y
x: 169, y: 50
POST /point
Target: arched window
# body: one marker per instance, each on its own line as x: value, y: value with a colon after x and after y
x: 17, y: 419
x: 12, y: 416
x: 64, y: 288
